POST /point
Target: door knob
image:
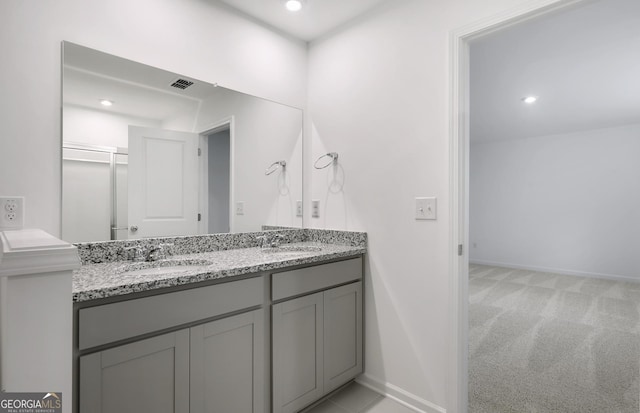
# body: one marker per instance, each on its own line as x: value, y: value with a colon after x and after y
x: 133, y: 228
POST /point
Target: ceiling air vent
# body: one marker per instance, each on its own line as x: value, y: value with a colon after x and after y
x: 181, y: 83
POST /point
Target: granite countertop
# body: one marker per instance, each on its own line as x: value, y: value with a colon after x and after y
x: 95, y: 281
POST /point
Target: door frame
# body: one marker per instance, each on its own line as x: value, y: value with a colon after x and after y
x: 222, y: 124
x: 457, y: 382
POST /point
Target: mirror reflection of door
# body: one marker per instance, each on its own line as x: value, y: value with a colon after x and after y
x: 163, y: 182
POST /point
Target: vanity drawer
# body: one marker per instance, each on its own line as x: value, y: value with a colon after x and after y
x: 319, y: 277
x: 117, y: 321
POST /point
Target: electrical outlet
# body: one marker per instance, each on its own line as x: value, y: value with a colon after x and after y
x: 299, y: 208
x: 240, y: 208
x: 11, y: 212
x: 426, y: 208
x: 315, y: 208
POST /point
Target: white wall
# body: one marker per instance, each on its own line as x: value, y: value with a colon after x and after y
x: 193, y: 37
x: 567, y: 203
x: 379, y: 96
x: 95, y: 127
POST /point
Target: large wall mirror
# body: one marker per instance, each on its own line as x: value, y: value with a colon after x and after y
x: 150, y: 153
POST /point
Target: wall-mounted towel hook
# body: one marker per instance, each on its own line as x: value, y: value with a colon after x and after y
x: 274, y: 167
x: 332, y: 155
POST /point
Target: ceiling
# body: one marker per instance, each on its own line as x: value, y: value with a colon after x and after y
x: 136, y: 89
x: 143, y: 91
x: 583, y: 63
x: 316, y: 18
x: 87, y: 89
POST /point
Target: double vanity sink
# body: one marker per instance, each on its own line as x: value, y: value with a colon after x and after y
x: 247, y: 329
x: 177, y: 265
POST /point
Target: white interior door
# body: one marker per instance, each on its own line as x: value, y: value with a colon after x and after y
x: 163, y: 183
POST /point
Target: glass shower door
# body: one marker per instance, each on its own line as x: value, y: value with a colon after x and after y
x: 94, y: 193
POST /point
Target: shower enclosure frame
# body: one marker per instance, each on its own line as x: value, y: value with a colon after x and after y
x: 113, y: 152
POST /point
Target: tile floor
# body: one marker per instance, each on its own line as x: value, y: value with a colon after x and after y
x: 355, y: 398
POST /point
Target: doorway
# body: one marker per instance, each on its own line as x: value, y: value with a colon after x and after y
x: 217, y: 177
x: 219, y: 180
x: 460, y: 154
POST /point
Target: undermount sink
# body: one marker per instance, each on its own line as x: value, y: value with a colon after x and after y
x: 166, y: 270
x: 164, y: 267
x: 292, y: 249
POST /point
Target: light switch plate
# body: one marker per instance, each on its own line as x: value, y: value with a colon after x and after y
x: 299, y: 208
x: 240, y: 208
x: 315, y: 208
x: 426, y: 208
x: 11, y: 212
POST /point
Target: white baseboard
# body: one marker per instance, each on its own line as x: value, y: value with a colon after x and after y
x: 556, y: 270
x: 399, y: 395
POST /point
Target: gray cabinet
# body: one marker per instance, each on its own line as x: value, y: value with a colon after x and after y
x: 213, y: 367
x: 227, y: 365
x: 297, y: 353
x: 150, y: 375
x: 342, y: 335
x: 202, y: 367
x: 104, y: 324
x: 317, y: 345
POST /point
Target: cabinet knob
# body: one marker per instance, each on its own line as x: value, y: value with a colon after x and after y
x: 133, y: 228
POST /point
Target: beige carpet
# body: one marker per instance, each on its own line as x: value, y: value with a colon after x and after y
x: 541, y: 342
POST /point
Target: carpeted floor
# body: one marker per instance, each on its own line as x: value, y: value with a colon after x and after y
x: 541, y: 342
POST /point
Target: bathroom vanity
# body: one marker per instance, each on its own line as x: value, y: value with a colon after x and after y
x: 198, y: 323
x: 250, y: 329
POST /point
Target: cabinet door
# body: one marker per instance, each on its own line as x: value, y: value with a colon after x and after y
x: 227, y: 365
x: 342, y: 335
x: 297, y: 353
x: 150, y: 375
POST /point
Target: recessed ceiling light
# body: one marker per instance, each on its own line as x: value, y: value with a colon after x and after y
x: 106, y: 102
x: 529, y: 99
x: 293, y: 5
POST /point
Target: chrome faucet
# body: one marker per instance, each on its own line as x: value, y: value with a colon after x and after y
x: 159, y: 252
x: 269, y: 240
x: 156, y: 253
x: 275, y: 241
x: 136, y: 253
x: 143, y: 253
